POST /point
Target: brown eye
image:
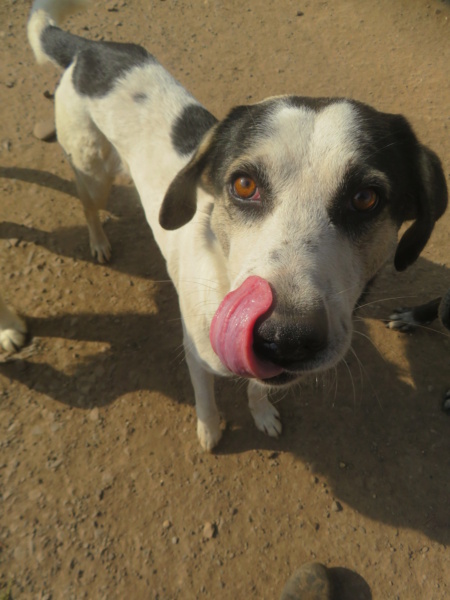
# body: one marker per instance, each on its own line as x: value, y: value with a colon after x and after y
x: 245, y: 188
x: 365, y: 200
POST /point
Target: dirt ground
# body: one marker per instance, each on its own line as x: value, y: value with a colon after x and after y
x: 104, y: 490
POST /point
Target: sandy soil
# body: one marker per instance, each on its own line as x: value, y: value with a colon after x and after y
x: 104, y: 490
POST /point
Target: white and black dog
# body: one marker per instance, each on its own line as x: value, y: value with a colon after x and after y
x: 272, y: 221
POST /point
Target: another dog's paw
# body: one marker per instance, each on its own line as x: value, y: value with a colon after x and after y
x: 13, y: 337
x: 446, y: 402
x: 100, y: 246
x: 209, y: 433
x: 101, y: 250
x: 402, y: 319
x: 266, y: 417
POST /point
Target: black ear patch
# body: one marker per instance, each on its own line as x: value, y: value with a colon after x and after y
x: 430, y: 198
x: 190, y: 127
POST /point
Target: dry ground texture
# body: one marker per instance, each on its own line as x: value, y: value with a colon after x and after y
x: 104, y: 491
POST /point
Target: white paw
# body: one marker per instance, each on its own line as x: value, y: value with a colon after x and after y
x: 14, y: 335
x: 266, y: 417
x: 209, y: 433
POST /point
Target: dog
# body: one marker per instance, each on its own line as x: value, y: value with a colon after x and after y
x: 272, y: 221
x: 13, y: 330
x: 407, y: 319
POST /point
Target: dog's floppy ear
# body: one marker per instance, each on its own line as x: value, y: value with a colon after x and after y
x: 429, y: 194
x: 180, y: 202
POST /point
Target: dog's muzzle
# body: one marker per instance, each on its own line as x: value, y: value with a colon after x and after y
x: 292, y: 344
x: 251, y: 340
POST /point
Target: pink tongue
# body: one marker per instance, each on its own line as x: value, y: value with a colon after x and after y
x: 231, y: 331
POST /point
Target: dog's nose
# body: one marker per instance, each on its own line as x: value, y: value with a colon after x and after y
x: 290, y: 343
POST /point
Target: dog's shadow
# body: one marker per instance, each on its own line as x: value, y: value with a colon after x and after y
x: 127, y: 227
x: 373, y: 430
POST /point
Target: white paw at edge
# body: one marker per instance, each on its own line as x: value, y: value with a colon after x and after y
x: 267, y: 418
x: 208, y: 434
x: 11, y: 339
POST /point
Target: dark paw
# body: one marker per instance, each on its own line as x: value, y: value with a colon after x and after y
x: 402, y: 319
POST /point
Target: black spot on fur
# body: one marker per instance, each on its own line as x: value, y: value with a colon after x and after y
x: 310, y: 245
x: 275, y: 256
x: 140, y: 97
x: 190, y: 127
x: 100, y: 65
x: 62, y: 46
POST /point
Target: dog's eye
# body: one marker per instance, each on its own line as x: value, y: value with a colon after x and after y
x: 365, y: 200
x: 245, y: 188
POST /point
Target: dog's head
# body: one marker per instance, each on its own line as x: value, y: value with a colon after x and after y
x: 309, y: 195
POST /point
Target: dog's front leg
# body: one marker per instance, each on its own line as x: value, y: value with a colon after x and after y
x: 265, y: 415
x: 208, y: 418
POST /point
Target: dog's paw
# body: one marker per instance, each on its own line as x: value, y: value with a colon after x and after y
x: 402, y: 319
x: 13, y: 337
x: 101, y: 250
x: 209, y: 433
x: 266, y: 417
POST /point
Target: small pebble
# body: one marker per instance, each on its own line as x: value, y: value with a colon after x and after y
x: 336, y: 506
x: 310, y: 582
x: 209, y: 531
x: 45, y: 130
x: 94, y: 414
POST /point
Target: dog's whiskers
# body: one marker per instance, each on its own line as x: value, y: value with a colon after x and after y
x: 363, y: 335
x: 361, y: 369
x: 351, y: 380
x: 360, y: 306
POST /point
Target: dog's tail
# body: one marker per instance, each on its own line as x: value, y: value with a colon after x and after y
x: 49, y: 43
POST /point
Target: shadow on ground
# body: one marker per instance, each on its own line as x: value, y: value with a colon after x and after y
x: 378, y: 437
